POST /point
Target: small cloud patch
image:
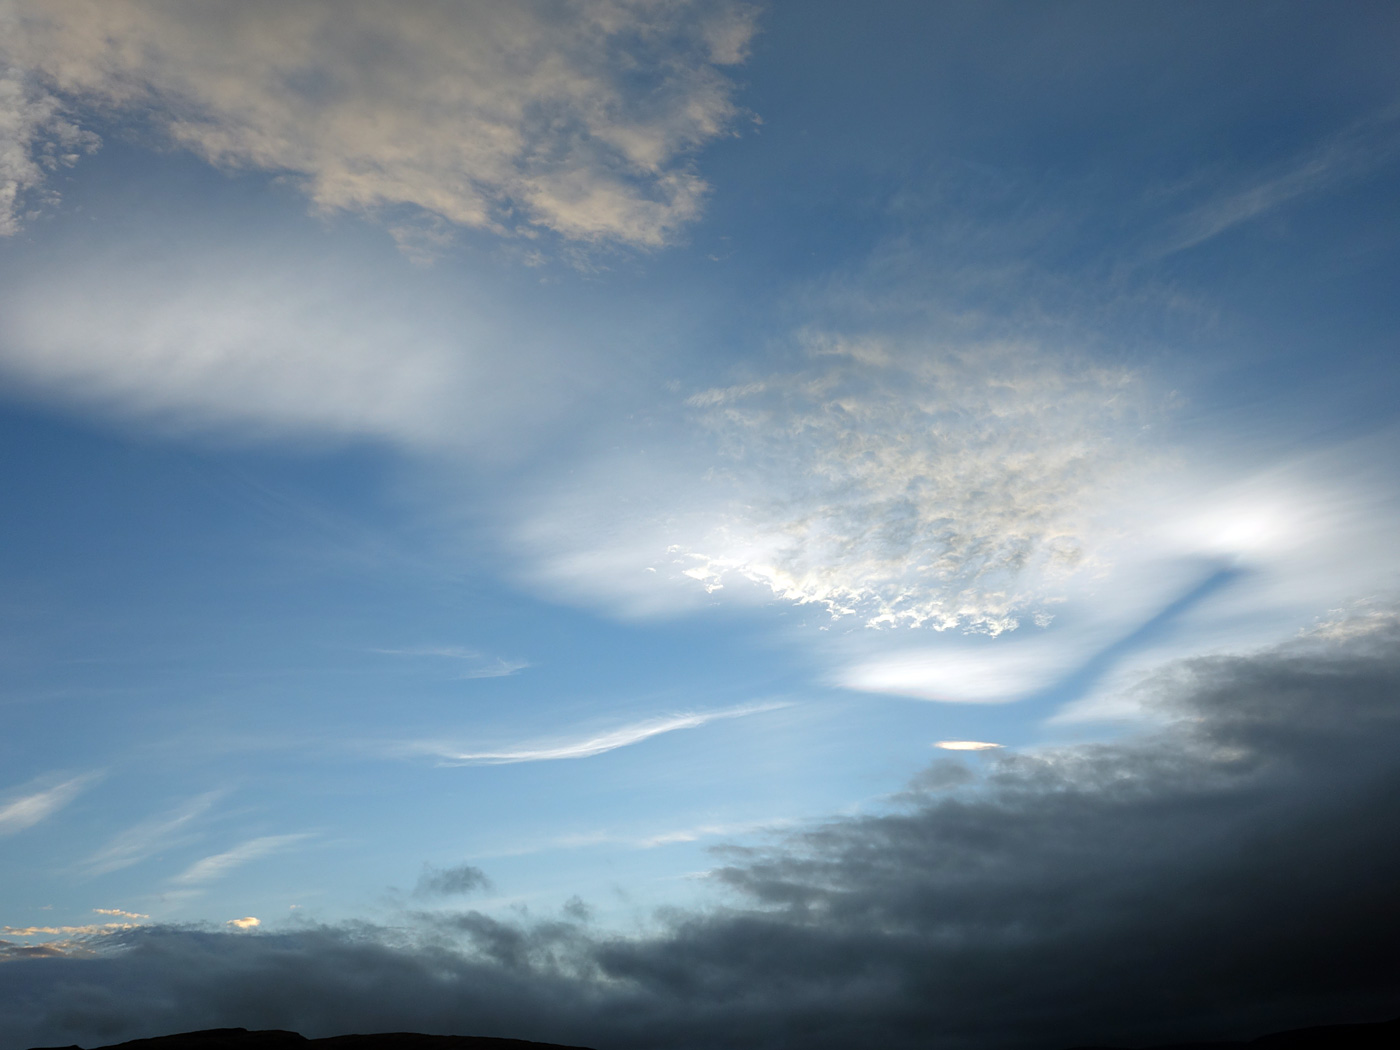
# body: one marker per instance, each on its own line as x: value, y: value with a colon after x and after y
x: 446, y: 882
x: 966, y: 745
x: 248, y: 922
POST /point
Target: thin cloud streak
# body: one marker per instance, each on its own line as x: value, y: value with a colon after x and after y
x: 27, y: 810
x: 89, y: 930
x: 1348, y: 155
x: 488, y: 667
x: 219, y: 864
x: 587, y: 747
x: 147, y: 838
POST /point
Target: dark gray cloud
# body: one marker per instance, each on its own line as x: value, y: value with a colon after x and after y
x: 1229, y: 873
x: 448, y: 882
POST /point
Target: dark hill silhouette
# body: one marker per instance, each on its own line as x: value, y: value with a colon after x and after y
x: 242, y: 1039
x: 1382, y: 1035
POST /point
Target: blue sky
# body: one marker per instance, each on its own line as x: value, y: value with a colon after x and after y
x: 575, y: 444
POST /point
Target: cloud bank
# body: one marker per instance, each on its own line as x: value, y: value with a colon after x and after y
x: 1230, y: 873
x: 578, y: 119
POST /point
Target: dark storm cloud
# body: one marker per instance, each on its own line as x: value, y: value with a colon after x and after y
x: 447, y: 882
x: 1230, y: 873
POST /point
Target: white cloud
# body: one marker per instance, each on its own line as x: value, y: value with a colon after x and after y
x: 972, y: 671
x: 36, y: 138
x: 966, y: 745
x: 145, y: 839
x: 507, y: 116
x: 28, y: 807
x: 894, y: 481
x: 260, y: 345
x: 587, y: 746
x: 122, y: 914
x: 219, y: 864
x: 68, y: 931
x: 248, y: 922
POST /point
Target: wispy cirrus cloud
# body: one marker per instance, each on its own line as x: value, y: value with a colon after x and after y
x: 218, y: 865
x: 479, y: 664
x: 584, y: 746
x: 510, y: 117
x: 149, y: 837
x: 34, y: 802
x: 1345, y: 156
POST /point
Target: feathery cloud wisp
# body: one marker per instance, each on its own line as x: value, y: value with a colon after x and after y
x: 25, y: 810
x: 150, y: 836
x: 586, y: 747
x: 219, y: 864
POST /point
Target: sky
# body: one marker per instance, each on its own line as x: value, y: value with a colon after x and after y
x: 666, y: 524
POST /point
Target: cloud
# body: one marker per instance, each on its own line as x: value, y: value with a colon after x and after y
x: 26, y: 807
x: 1229, y: 873
x: 895, y: 480
x: 586, y: 747
x: 965, y: 745
x: 970, y: 672
x: 123, y: 914
x: 447, y: 882
x: 513, y: 117
x: 249, y: 922
x: 36, y: 138
x: 1350, y: 154
x: 149, y: 837
x: 486, y: 667
x: 218, y: 865
x: 251, y: 344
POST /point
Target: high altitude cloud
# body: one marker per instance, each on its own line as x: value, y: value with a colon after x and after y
x: 586, y: 746
x: 217, y: 865
x: 35, y: 802
x: 143, y: 840
x: 1227, y: 874
x: 574, y: 118
x: 899, y: 481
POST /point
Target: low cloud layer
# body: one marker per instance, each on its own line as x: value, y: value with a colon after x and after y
x: 449, y: 882
x: 514, y: 117
x: 1231, y: 873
